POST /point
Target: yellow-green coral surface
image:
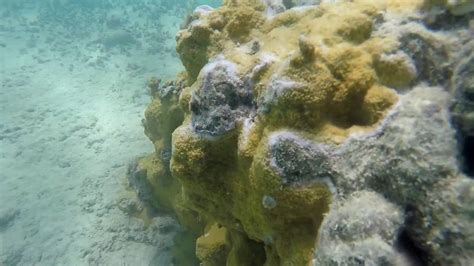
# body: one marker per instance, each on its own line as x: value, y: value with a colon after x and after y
x: 316, y: 71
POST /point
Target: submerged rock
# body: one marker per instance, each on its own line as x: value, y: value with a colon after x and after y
x: 298, y: 161
x: 363, y: 237
x: 329, y: 122
x: 221, y: 99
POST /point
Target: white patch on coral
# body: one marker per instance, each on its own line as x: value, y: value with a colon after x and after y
x: 277, y: 86
x: 265, y: 60
x: 247, y: 127
x: 198, y: 14
x: 219, y: 62
x: 203, y: 10
x: 275, y: 7
x: 302, y: 8
x: 195, y: 23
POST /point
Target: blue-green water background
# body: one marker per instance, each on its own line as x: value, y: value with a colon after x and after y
x: 73, y: 91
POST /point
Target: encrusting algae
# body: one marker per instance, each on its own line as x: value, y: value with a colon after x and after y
x: 242, y: 138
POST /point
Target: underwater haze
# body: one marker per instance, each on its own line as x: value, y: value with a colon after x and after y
x: 239, y: 133
x: 73, y: 89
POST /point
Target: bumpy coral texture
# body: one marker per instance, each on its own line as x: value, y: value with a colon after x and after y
x: 285, y: 117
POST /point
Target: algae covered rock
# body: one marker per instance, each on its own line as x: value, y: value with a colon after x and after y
x: 221, y: 99
x: 212, y: 248
x: 299, y: 161
x: 364, y: 237
x: 318, y: 135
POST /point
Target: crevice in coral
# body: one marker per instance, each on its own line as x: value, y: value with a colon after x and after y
x: 467, y: 153
x: 246, y: 251
x: 409, y: 247
x: 405, y: 242
x: 445, y: 20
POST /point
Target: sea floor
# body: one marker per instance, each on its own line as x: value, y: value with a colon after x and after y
x: 72, y: 98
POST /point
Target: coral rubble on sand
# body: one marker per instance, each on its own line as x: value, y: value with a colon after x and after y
x: 319, y: 134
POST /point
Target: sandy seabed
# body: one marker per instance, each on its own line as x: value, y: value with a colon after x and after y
x: 71, y: 105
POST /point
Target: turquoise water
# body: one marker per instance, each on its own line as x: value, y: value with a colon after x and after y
x: 73, y: 75
x: 308, y: 132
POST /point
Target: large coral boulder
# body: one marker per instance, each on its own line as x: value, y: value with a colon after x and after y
x: 319, y: 134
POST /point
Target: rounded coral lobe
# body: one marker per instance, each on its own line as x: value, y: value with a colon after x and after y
x: 221, y: 99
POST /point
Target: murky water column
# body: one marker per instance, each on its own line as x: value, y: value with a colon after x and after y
x: 73, y: 89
